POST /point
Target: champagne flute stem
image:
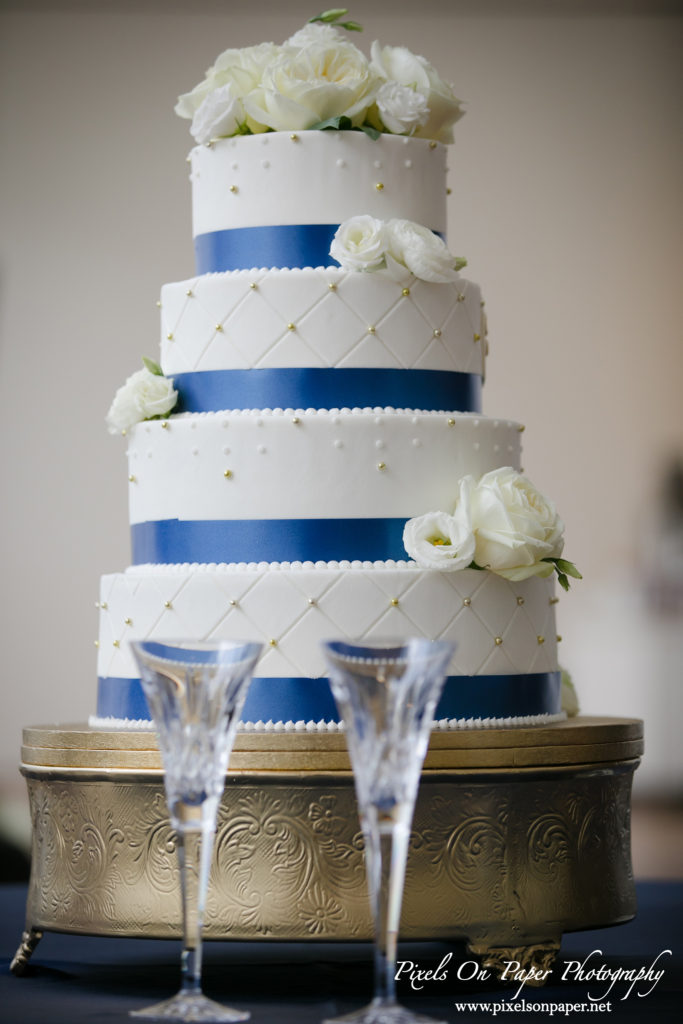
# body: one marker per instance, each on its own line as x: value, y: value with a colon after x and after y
x: 195, y: 846
x: 386, y: 844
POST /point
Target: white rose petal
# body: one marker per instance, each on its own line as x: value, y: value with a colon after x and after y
x: 401, y: 108
x: 421, y: 251
x: 515, y: 526
x: 360, y: 243
x: 439, y: 541
x: 143, y: 396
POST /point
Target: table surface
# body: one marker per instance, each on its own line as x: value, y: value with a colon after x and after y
x: 84, y: 980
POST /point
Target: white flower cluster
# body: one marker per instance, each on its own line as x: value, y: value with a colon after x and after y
x: 500, y: 522
x: 318, y: 77
x: 366, y: 243
x: 146, y: 395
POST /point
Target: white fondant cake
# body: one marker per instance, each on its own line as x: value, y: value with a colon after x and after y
x: 320, y: 408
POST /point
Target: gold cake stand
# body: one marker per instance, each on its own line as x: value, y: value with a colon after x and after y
x: 518, y: 836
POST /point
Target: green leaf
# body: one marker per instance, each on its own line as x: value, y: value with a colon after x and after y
x: 351, y: 26
x: 341, y: 123
x: 152, y: 367
x: 460, y: 262
x: 370, y: 131
x: 333, y: 14
x: 568, y: 567
x: 563, y: 581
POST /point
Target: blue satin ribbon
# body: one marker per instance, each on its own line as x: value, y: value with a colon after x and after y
x: 270, y: 245
x: 303, y: 699
x: 323, y: 388
x: 267, y: 540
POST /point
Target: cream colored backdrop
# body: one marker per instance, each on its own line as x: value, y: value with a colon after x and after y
x: 566, y: 179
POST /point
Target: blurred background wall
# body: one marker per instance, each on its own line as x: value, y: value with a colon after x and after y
x: 566, y: 200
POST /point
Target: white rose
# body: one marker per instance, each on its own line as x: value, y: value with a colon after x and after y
x: 360, y: 243
x: 315, y: 33
x: 440, y: 541
x: 143, y: 396
x: 219, y: 116
x: 515, y: 526
x: 401, y: 108
x: 398, y: 64
x: 421, y: 251
x: 241, y: 69
x: 306, y: 86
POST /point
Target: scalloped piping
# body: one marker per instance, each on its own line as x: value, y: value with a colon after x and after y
x: 442, y: 725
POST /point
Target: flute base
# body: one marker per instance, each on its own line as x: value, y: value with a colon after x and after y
x: 191, y: 1008
x: 379, y: 1012
x: 518, y: 836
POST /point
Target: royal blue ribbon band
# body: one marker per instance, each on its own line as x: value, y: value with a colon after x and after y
x: 267, y: 540
x: 310, y: 700
x: 270, y: 245
x: 324, y: 388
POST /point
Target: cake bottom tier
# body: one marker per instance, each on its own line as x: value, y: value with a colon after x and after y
x: 517, y: 836
x: 504, y: 670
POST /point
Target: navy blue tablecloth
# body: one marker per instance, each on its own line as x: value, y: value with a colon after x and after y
x: 85, y: 980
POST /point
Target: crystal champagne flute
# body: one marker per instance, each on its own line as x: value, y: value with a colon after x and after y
x: 195, y: 692
x: 386, y: 694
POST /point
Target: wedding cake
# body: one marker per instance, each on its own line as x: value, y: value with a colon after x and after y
x: 308, y: 459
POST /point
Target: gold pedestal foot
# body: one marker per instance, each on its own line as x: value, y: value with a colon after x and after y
x: 29, y: 941
x: 532, y: 964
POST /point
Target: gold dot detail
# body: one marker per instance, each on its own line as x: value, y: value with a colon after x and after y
x: 371, y: 329
x: 104, y: 605
x: 405, y: 292
x: 381, y: 466
x: 332, y: 286
x: 116, y: 644
x: 312, y: 601
x: 559, y: 639
x: 218, y: 328
x: 554, y: 600
x: 461, y: 297
x: 521, y: 428
x: 294, y: 137
x: 477, y: 337
x: 436, y: 332
x: 272, y: 642
x: 234, y: 189
x: 540, y: 639
x: 449, y: 191
x: 128, y: 622
x: 253, y: 285
x: 451, y: 422
x: 189, y: 293
x: 132, y: 479
x: 158, y: 304
x: 379, y: 186
x: 432, y: 144
x: 467, y: 601
x: 394, y: 602
x: 227, y: 473
x: 169, y: 336
x: 97, y: 643
x: 167, y: 604
x: 233, y: 602
x: 498, y: 641
x: 291, y: 327
x: 295, y: 420
x: 164, y: 424
x: 520, y: 600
